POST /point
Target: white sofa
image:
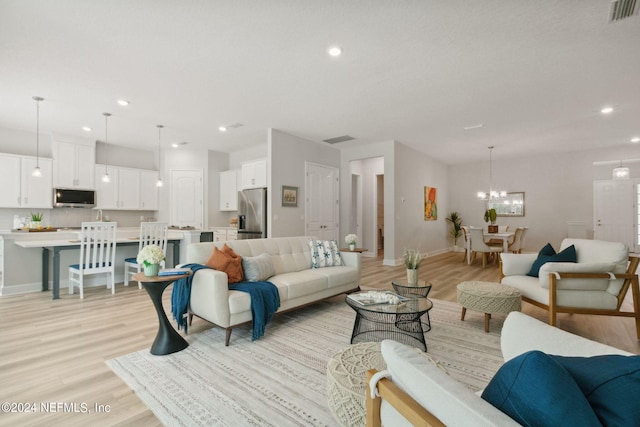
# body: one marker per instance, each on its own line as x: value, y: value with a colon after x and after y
x: 298, y: 284
x: 423, y: 392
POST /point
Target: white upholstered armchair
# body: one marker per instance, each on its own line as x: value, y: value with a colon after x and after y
x: 596, y: 284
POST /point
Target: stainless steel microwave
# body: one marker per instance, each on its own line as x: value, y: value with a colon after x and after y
x: 70, y: 198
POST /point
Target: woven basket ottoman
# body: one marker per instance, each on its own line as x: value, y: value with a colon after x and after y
x: 347, y: 382
x: 488, y: 298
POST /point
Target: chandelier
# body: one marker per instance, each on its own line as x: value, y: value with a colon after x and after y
x: 492, y: 194
x: 621, y: 172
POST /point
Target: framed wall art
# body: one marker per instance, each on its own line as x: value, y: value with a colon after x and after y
x: 289, y: 196
x: 430, y: 203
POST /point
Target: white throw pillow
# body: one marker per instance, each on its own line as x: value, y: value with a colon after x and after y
x: 324, y: 253
x: 258, y: 268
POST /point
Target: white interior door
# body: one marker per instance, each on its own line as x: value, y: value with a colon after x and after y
x: 186, y: 199
x: 322, y: 202
x: 614, y: 212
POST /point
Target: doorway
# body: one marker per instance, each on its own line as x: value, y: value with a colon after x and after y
x: 380, y: 212
x: 355, y: 218
x: 616, y: 217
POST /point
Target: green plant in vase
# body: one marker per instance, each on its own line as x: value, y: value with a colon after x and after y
x: 412, y: 259
x: 456, y: 226
x: 36, y: 220
x: 490, y: 215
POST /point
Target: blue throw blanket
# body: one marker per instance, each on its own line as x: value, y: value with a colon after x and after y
x: 181, y: 294
x: 265, y: 301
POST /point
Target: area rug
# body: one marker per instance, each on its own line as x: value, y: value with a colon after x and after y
x: 280, y: 380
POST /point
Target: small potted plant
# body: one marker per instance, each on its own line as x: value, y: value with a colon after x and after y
x: 36, y: 220
x: 150, y: 257
x: 456, y: 228
x: 490, y: 215
x: 412, y: 259
x: 351, y: 239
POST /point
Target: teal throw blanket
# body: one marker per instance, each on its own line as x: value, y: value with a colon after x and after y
x: 265, y: 301
x: 181, y: 294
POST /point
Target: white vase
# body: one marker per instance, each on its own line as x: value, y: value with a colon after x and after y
x: 352, y: 246
x: 412, y: 276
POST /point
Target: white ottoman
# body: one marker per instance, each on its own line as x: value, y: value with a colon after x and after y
x: 347, y: 382
x: 488, y: 298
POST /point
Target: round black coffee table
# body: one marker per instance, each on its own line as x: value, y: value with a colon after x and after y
x: 398, y: 322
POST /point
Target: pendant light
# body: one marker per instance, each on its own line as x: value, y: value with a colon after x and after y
x: 106, y: 178
x: 159, y: 183
x: 491, y: 195
x: 620, y: 172
x: 36, y: 171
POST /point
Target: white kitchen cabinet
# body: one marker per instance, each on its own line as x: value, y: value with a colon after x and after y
x: 229, y: 190
x: 106, y: 192
x: 129, y: 189
x: 254, y: 174
x: 37, y: 192
x: 148, y: 190
x: 19, y: 188
x: 74, y: 165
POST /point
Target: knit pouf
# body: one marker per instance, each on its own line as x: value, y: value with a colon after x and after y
x: 489, y: 298
x: 347, y: 382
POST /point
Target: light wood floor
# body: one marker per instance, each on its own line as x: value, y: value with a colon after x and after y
x: 54, y: 351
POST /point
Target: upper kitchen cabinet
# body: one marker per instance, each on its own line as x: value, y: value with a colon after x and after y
x: 129, y: 189
x: 229, y: 190
x: 74, y: 165
x: 254, y: 174
x: 148, y: 190
x: 20, y: 189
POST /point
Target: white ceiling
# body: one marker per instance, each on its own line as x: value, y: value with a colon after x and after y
x: 536, y: 73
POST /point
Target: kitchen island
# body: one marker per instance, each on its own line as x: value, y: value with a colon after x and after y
x: 21, y: 274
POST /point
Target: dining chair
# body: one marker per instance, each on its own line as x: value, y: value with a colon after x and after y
x: 522, y: 238
x: 467, y: 244
x: 151, y: 233
x: 97, y: 255
x: 515, y: 245
x: 478, y: 245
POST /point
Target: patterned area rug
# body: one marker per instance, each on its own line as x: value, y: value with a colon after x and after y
x: 280, y: 380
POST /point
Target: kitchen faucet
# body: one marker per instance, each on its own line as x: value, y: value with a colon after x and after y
x: 99, y: 215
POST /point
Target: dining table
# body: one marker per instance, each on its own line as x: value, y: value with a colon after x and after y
x: 504, y: 236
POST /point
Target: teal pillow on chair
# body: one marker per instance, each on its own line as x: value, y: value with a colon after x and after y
x: 611, y: 384
x: 548, y: 254
x: 536, y: 390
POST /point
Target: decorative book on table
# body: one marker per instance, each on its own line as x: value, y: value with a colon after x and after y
x: 376, y: 297
x: 173, y: 271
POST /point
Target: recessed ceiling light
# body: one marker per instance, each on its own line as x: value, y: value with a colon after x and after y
x: 222, y: 128
x: 123, y: 102
x: 335, y: 51
x: 472, y: 127
x: 86, y: 128
x: 607, y: 110
x: 179, y: 144
x: 635, y: 139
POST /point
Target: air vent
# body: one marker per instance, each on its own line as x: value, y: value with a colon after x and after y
x: 337, y: 139
x: 621, y: 9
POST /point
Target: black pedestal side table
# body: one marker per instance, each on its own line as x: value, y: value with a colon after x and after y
x: 168, y: 340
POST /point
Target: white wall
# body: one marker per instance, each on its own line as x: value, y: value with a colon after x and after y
x: 415, y: 170
x: 126, y: 157
x: 558, y: 189
x: 287, y: 157
x: 23, y: 142
x: 248, y: 154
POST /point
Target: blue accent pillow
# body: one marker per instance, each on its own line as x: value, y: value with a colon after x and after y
x: 548, y: 254
x: 536, y: 390
x: 611, y: 384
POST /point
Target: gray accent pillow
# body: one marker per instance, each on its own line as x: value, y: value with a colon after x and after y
x: 258, y: 268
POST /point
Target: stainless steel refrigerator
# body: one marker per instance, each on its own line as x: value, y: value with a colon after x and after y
x: 252, y: 213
